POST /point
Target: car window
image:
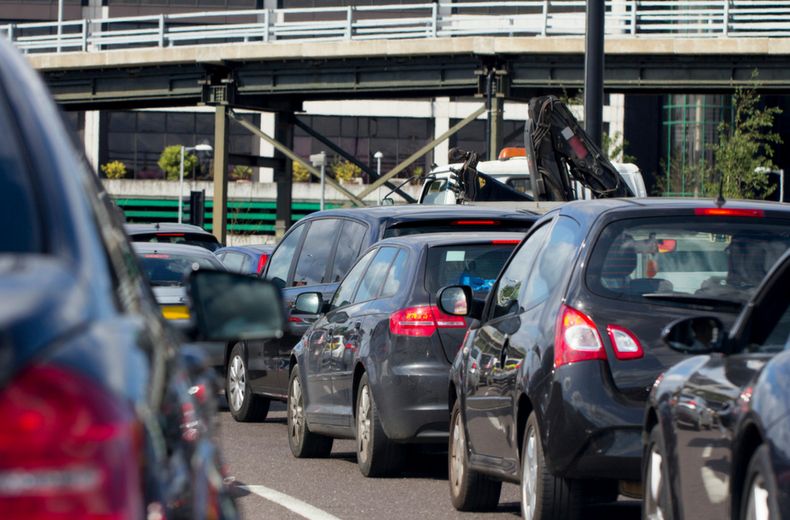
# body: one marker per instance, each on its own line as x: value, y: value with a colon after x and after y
x: 475, y: 265
x: 313, y: 261
x: 345, y: 292
x: 190, y: 239
x: 396, y: 275
x: 18, y: 208
x: 455, y: 225
x: 778, y: 337
x: 435, y: 192
x: 166, y: 269
x: 348, y: 246
x: 670, y: 258
x: 375, y: 275
x: 280, y: 262
x: 553, y: 261
x: 233, y: 261
x: 511, y: 283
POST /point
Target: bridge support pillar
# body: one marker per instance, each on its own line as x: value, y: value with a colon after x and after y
x: 220, y: 213
x: 495, y: 117
x: 284, y: 133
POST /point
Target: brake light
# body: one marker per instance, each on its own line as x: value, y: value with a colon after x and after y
x: 68, y: 449
x: 728, y: 212
x: 476, y: 222
x: 505, y: 242
x: 262, y: 262
x: 169, y: 234
x: 576, y: 338
x: 624, y: 343
x: 422, y: 321
x: 156, y: 255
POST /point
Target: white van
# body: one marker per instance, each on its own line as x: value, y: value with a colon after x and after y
x: 512, y: 172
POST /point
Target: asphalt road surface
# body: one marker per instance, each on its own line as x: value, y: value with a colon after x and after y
x: 271, y: 484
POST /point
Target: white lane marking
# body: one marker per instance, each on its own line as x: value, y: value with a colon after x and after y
x: 293, y: 504
x: 707, y: 452
x: 717, y: 487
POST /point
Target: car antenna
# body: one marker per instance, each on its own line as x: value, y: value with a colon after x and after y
x: 720, y: 200
x: 156, y: 226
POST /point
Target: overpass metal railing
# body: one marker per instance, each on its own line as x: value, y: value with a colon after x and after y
x: 625, y: 18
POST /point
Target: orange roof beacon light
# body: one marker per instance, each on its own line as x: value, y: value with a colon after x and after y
x: 512, y: 151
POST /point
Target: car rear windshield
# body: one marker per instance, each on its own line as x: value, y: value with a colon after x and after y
x: 191, y: 239
x: 475, y: 265
x: 698, y: 259
x: 458, y: 225
x: 165, y: 269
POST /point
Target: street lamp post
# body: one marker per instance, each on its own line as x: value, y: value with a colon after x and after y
x: 319, y: 159
x: 378, y: 156
x: 196, y: 148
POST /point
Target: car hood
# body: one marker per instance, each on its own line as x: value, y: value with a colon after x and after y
x: 48, y: 302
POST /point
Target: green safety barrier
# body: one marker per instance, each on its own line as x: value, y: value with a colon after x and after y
x: 252, y: 217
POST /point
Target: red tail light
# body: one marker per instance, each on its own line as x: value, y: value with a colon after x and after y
x: 476, y: 222
x: 624, y: 343
x: 729, y: 212
x: 170, y: 234
x: 262, y: 262
x: 422, y: 321
x: 576, y: 338
x: 505, y: 242
x: 68, y: 449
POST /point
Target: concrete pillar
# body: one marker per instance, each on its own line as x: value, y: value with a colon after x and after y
x: 220, y: 214
x: 616, y: 113
x: 91, y: 134
x: 284, y: 133
x: 95, y: 10
x: 441, y: 124
x: 267, y: 150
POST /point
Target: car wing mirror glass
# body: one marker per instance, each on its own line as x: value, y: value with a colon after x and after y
x: 697, y: 335
x: 309, y: 303
x: 456, y: 300
x: 230, y: 306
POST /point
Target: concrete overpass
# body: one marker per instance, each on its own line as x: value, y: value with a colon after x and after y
x: 278, y: 75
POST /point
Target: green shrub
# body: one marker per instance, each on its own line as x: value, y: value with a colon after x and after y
x: 300, y: 173
x: 241, y: 172
x: 114, y: 170
x: 170, y: 162
x: 346, y: 170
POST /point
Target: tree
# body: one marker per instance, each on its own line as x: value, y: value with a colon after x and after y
x: 170, y: 162
x: 744, y: 151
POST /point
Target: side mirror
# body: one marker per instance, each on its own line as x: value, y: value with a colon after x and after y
x: 230, y: 306
x: 698, y: 335
x: 455, y: 300
x: 309, y: 303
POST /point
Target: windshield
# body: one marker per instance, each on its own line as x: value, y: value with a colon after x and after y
x: 470, y: 225
x: 686, y: 260
x: 476, y: 265
x: 164, y: 269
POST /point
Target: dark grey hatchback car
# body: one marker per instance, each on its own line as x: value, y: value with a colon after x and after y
x: 375, y: 365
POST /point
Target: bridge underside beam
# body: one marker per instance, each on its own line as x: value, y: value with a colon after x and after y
x: 276, y: 85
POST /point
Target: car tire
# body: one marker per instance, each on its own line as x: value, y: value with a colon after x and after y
x: 377, y: 456
x: 304, y: 444
x: 544, y: 496
x: 244, y: 405
x: 759, y: 492
x: 656, y: 500
x: 470, y: 490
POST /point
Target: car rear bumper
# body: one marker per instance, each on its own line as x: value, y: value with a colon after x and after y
x: 589, y: 430
x: 412, y: 403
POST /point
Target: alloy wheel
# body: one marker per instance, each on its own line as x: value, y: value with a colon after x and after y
x: 363, y: 424
x: 529, y: 474
x: 296, y: 411
x: 654, y: 485
x: 757, y: 506
x: 237, y: 382
x: 457, y: 454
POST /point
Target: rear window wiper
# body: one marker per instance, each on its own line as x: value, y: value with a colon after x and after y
x: 693, y: 299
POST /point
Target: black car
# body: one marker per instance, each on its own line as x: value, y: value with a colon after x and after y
x: 569, y: 344
x: 375, y: 365
x: 314, y: 256
x: 250, y: 259
x: 103, y: 414
x: 736, y: 462
x: 172, y: 233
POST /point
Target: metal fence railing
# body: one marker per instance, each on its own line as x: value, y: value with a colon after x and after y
x: 626, y: 18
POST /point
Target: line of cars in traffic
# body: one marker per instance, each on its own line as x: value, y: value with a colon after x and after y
x: 564, y: 367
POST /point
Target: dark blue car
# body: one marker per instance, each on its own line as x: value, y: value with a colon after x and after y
x: 250, y: 259
x: 736, y: 463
